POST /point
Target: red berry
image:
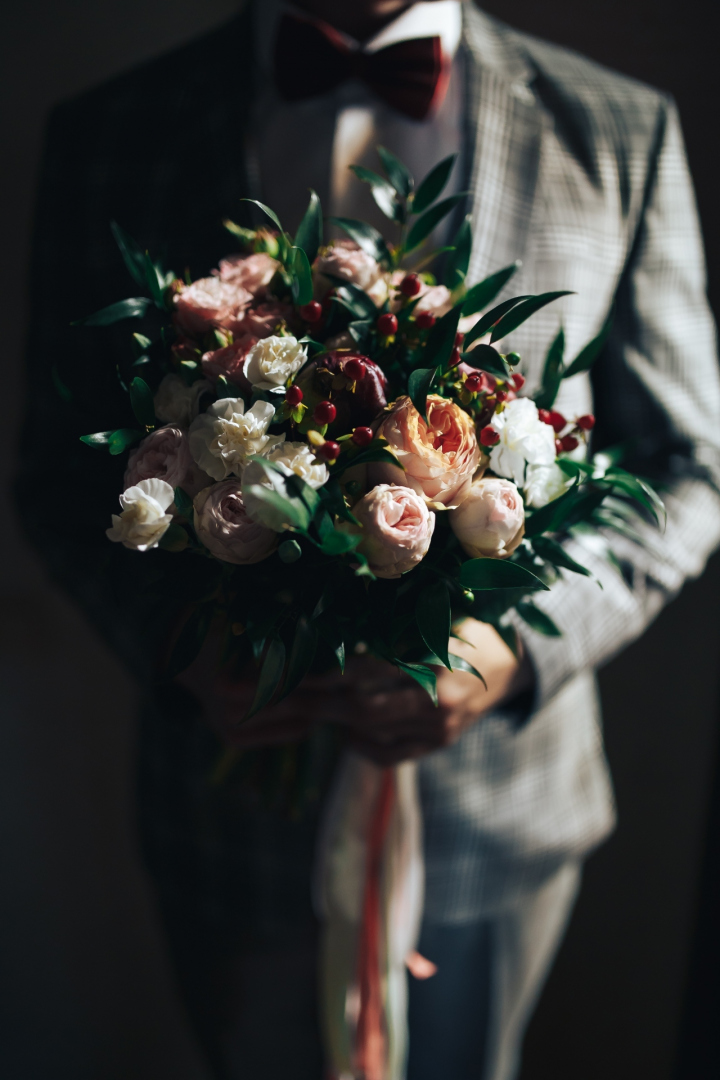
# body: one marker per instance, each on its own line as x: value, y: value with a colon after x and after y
x: 425, y: 320
x: 544, y: 415
x: 324, y: 412
x: 489, y: 436
x: 329, y: 450
x: 354, y: 368
x: 311, y: 312
x: 293, y: 395
x: 568, y: 443
x: 501, y: 395
x: 518, y: 381
x: 455, y: 357
x: 387, y: 324
x: 459, y: 338
x: 472, y: 383
x: 586, y: 423
x: 557, y: 421
x: 362, y: 436
x: 558, y: 446
x: 410, y: 285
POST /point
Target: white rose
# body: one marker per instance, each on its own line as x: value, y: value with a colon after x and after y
x: 272, y: 361
x: 225, y: 436
x: 143, y: 520
x: 293, y: 458
x: 543, y: 483
x: 176, y: 403
x: 524, y: 439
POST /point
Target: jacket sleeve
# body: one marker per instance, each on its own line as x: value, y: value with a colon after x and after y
x: 657, y: 390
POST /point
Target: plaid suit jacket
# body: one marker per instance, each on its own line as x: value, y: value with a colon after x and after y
x: 576, y: 170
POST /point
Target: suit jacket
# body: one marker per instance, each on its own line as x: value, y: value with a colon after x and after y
x: 576, y: 170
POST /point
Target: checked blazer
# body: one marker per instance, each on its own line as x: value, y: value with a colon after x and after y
x: 579, y: 172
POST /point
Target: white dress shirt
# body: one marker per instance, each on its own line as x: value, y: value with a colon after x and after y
x: 311, y: 143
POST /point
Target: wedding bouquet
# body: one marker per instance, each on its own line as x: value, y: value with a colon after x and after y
x: 341, y: 441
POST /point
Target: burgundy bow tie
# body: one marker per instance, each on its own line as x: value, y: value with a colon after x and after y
x: 312, y: 59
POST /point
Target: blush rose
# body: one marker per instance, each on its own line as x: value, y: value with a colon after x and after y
x: 210, y: 302
x: 490, y: 521
x: 224, y: 528
x: 165, y: 455
x: 397, y: 528
x: 251, y: 272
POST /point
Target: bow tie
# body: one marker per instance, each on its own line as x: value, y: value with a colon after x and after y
x: 312, y: 59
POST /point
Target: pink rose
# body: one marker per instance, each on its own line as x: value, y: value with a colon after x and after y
x: 251, y: 272
x: 229, y: 361
x: 439, y: 458
x: 210, y: 302
x: 344, y: 259
x: 165, y: 455
x: 397, y: 528
x: 222, y: 525
x: 262, y: 320
x: 490, y: 521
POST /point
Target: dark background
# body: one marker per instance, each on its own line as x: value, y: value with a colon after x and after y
x: 85, y: 982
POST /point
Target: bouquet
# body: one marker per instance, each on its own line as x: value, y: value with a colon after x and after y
x: 340, y: 434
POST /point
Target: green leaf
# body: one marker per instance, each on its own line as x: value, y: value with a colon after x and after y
x: 309, y: 236
x: 523, y: 311
x: 289, y: 551
x: 487, y: 359
x: 555, y: 553
x: 537, y: 620
x: 419, y: 385
x: 397, y: 173
x: 63, y: 391
x: 184, y: 503
x: 266, y: 210
x: 302, y: 654
x: 100, y: 438
x: 175, y: 538
x: 122, y: 438
x: 497, y: 574
x: 366, y: 237
x: 441, y: 339
x: 154, y: 281
x: 134, y: 308
x: 478, y: 298
x: 422, y: 674
x: 433, y: 617
x: 132, y: 254
x: 383, y: 193
x: 293, y: 513
x: 339, y: 543
x: 270, y: 676
x: 638, y: 490
x: 355, y: 298
x: 488, y: 320
x: 433, y: 184
x: 372, y: 453
x: 459, y: 663
x: 587, y: 356
x: 425, y: 224
x: 552, y: 372
x: 509, y: 635
x: 141, y: 400
x: 189, y: 641
x: 458, y: 260
x: 302, y: 283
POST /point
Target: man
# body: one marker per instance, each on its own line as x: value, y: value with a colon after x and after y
x: 580, y: 173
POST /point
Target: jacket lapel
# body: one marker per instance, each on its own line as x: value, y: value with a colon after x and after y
x: 504, y: 136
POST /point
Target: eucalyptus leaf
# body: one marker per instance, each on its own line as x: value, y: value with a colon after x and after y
x: 587, y: 356
x: 478, y: 298
x: 309, y: 236
x: 433, y: 184
x: 133, y: 308
x: 480, y: 574
x: 270, y: 676
x: 517, y: 316
x: 397, y: 173
x: 432, y: 217
x: 141, y: 399
x: 433, y: 617
x: 419, y: 384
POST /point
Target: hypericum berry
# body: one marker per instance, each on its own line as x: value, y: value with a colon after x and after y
x: 311, y: 312
x: 425, y: 320
x: 410, y: 285
x: 501, y: 395
x: 489, y: 436
x: 557, y: 421
x: 362, y: 436
x: 568, y: 443
x: 329, y: 450
x: 293, y: 395
x: 514, y: 359
x: 455, y: 357
x: 354, y: 368
x: 472, y: 383
x: 387, y: 324
x: 544, y: 415
x: 586, y: 423
x: 324, y: 412
x: 518, y: 380
x: 459, y: 338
